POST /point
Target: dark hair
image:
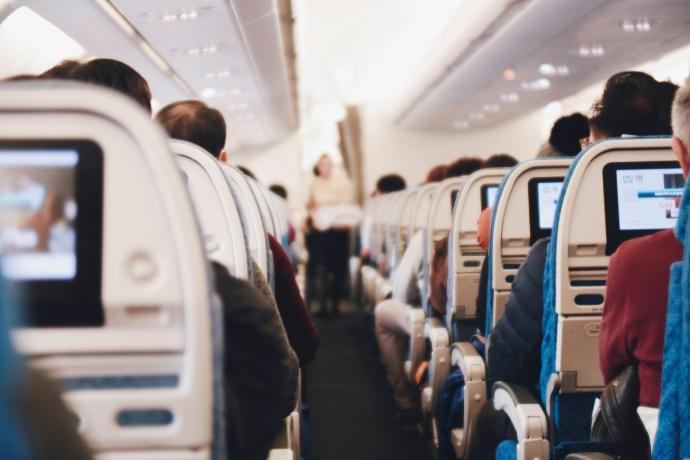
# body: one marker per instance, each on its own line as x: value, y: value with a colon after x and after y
x: 61, y: 70
x: 632, y: 103
x: 464, y: 166
x: 500, y: 160
x: 115, y: 75
x: 247, y: 172
x: 436, y: 174
x: 390, y: 183
x: 195, y: 122
x: 279, y: 190
x: 566, y: 134
x: 21, y: 77
x: 667, y: 93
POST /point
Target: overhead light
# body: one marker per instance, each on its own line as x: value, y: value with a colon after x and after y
x: 510, y: 98
x: 491, y: 108
x: 218, y: 74
x: 542, y: 84
x: 460, y: 124
x: 477, y: 116
x: 211, y: 49
x: 509, y: 74
x: 234, y: 91
x: 185, y: 15
x: 548, y: 70
x: 208, y: 93
x: 591, y: 51
x: 193, y: 51
x: 238, y: 106
x: 562, y: 70
x: 639, y: 25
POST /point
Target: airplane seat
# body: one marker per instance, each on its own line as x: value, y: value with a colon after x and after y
x: 523, y: 214
x: 587, y: 229
x: 672, y: 437
x: 406, y: 216
x: 218, y: 213
x: 437, y: 338
x: 134, y: 342
x: 253, y: 220
x: 391, y: 218
x: 465, y: 256
x: 415, y: 313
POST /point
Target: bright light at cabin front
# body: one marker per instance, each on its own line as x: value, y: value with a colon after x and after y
x: 30, y: 44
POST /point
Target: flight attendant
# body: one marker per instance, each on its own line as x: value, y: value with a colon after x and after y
x: 330, y: 242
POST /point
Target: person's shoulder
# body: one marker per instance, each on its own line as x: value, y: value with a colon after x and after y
x: 652, y: 245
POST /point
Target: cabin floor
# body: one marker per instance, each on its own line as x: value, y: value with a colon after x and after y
x: 350, y: 401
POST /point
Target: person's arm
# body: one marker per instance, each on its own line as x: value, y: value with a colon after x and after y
x: 258, y: 364
x: 301, y: 331
x: 405, y: 288
x: 438, y: 279
x: 613, y: 350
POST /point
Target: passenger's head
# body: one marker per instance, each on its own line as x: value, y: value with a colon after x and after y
x: 279, y: 190
x: 681, y: 127
x: 115, y: 75
x: 667, y: 93
x: 195, y: 122
x: 390, y: 183
x: 632, y: 103
x: 61, y: 70
x: 324, y: 167
x: 436, y: 174
x: 500, y: 160
x: 464, y: 166
x: 247, y: 172
x: 567, y: 133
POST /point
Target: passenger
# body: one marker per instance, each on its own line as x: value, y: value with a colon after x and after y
x: 392, y: 331
x: 436, y: 174
x: 634, y: 318
x: 195, y: 122
x: 629, y: 105
x: 567, y: 137
x: 330, y: 246
x: 279, y: 190
x: 464, y: 166
x: 44, y: 427
x: 247, y: 172
x: 62, y: 70
x: 115, y: 75
x: 389, y: 183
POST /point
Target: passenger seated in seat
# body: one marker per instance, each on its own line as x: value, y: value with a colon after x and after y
x: 113, y: 74
x: 392, y: 330
x: 567, y: 136
x: 634, y: 318
x: 385, y: 184
x: 195, y: 122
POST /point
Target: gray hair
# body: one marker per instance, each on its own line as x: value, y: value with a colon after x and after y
x: 680, y: 114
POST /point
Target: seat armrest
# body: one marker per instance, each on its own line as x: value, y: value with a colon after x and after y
x: 436, y: 332
x: 527, y: 417
x: 465, y: 356
x: 522, y: 408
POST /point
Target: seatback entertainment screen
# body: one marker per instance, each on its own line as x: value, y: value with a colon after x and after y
x: 544, y: 194
x: 641, y: 198
x: 51, y: 200
x: 489, y: 193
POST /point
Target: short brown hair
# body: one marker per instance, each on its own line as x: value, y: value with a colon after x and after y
x: 195, y: 122
x: 436, y: 174
x: 464, y: 166
x: 116, y: 75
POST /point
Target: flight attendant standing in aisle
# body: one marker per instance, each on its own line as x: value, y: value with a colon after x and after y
x: 329, y: 239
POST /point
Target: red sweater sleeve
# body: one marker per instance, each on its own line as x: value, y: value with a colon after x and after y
x: 614, y: 353
x: 300, y: 328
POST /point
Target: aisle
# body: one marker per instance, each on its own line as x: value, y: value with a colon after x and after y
x: 351, y: 405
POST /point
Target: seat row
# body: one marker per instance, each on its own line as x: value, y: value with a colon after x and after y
x: 133, y: 333
x: 585, y: 206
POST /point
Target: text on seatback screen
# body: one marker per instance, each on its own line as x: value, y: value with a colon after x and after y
x: 649, y: 198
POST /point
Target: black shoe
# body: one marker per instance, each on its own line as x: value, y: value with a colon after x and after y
x: 406, y: 420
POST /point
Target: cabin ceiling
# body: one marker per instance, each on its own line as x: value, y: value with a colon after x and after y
x: 545, y: 51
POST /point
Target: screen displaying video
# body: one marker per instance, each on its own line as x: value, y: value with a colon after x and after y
x: 648, y: 199
x: 547, y: 199
x: 489, y: 193
x: 38, y: 212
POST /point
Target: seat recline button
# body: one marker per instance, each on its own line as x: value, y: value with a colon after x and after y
x: 142, y: 267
